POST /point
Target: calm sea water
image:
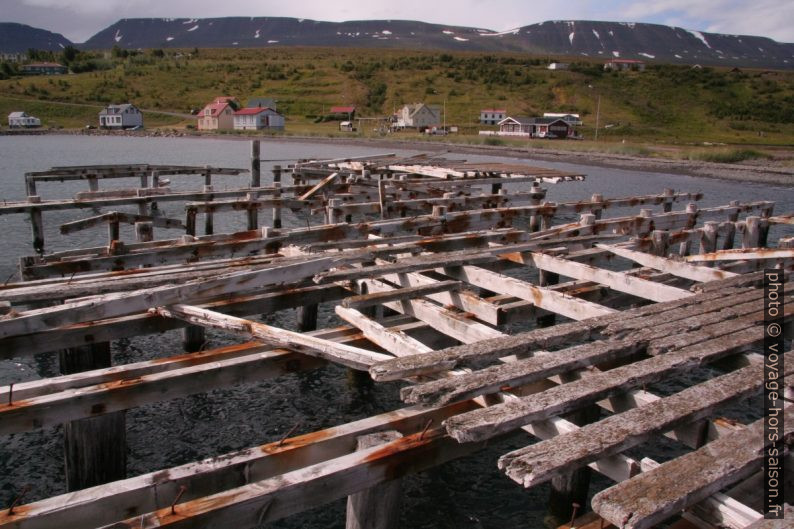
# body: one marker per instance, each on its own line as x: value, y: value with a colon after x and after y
x: 468, y: 493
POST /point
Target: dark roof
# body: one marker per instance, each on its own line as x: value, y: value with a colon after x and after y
x: 255, y: 102
x: 343, y: 110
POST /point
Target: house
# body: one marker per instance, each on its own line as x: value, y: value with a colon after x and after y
x: 346, y: 126
x: 348, y: 112
x: 518, y: 126
x: 261, y: 102
x: 535, y: 127
x: 10, y: 57
x: 218, y: 115
x: 124, y: 116
x: 418, y: 116
x: 44, y: 68
x: 558, y: 66
x: 571, y: 119
x: 257, y: 118
x: 490, y: 116
x: 625, y: 64
x: 22, y: 119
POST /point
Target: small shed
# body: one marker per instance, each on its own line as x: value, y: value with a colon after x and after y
x: 257, y: 119
x: 348, y: 112
x: 23, y: 120
x: 125, y: 116
x: 346, y: 126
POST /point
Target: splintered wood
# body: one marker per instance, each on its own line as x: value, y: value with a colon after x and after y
x: 471, y: 273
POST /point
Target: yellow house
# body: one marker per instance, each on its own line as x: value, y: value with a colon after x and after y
x: 218, y: 115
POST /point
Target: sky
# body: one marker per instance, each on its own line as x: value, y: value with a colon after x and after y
x: 78, y: 20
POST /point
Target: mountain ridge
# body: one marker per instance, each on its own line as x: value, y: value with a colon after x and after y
x: 568, y: 39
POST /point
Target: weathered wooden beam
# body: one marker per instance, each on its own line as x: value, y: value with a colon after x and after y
x: 621, y: 282
x: 376, y: 298
x: 670, y: 266
x: 540, y: 462
x: 120, y: 304
x: 379, y: 506
x: 482, y: 424
x: 747, y: 253
x: 652, y: 497
x: 393, y: 340
x: 317, y: 188
x: 542, y: 297
x: 346, y: 355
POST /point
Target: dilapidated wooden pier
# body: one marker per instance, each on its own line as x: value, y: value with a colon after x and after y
x: 499, y: 312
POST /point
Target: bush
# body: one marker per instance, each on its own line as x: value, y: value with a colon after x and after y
x: 493, y: 141
x: 727, y: 156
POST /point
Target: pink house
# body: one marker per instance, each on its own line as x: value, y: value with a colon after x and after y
x: 258, y: 118
x: 218, y: 115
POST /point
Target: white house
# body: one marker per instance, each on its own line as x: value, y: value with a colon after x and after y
x: 120, y: 117
x: 558, y: 66
x: 571, y: 119
x: 492, y: 116
x: 418, y: 116
x: 257, y: 119
x: 22, y: 119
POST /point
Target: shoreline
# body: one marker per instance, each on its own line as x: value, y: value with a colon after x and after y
x: 763, y: 172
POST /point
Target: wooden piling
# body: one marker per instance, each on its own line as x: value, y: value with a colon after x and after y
x: 307, y: 317
x: 208, y: 216
x: 37, y: 225
x: 95, y: 449
x: 193, y: 338
x: 276, y: 196
x: 377, y: 507
x: 253, y: 213
x: 667, y: 207
x: 155, y: 183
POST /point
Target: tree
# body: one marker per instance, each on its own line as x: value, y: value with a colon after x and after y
x: 69, y: 54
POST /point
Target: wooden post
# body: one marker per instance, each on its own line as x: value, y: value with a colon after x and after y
x: 668, y: 200
x: 330, y: 213
x: 95, y: 449
x: 253, y: 213
x: 37, y: 225
x: 730, y: 235
x: 155, y: 184
x: 307, y: 318
x: 93, y: 184
x: 660, y: 239
x: 208, y: 220
x: 495, y: 188
x: 596, y: 210
x: 30, y: 185
x: 752, y: 232
x: 276, y: 196
x: 144, y: 231
x: 382, y: 196
x: 534, y: 222
x: 377, y: 507
x: 190, y: 221
x: 193, y: 338
x: 113, y: 232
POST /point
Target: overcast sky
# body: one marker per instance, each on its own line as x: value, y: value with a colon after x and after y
x: 79, y: 19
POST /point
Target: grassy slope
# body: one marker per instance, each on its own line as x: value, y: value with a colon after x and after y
x: 665, y: 103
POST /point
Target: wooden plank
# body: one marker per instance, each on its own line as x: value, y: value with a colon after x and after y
x: 654, y: 496
x: 271, y: 499
x: 346, y: 355
x: 376, y: 298
x: 393, y: 340
x: 120, y: 304
x: 747, y: 253
x: 155, y: 490
x: 542, y: 297
x: 115, y: 216
x: 671, y: 266
x: 323, y: 183
x: 621, y: 282
x: 482, y: 424
x: 483, y: 353
x: 540, y: 462
x: 784, y: 523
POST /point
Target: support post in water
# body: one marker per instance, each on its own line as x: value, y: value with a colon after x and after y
x: 95, y: 449
x: 377, y: 507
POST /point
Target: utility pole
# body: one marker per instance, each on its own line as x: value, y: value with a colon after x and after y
x: 598, y: 113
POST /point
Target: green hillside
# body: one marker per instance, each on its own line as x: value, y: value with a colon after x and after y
x: 671, y: 104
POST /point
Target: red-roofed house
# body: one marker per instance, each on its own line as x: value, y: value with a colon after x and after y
x: 257, y: 119
x: 348, y: 111
x: 492, y: 116
x: 218, y: 115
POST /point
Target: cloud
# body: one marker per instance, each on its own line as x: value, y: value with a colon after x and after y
x: 769, y: 18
